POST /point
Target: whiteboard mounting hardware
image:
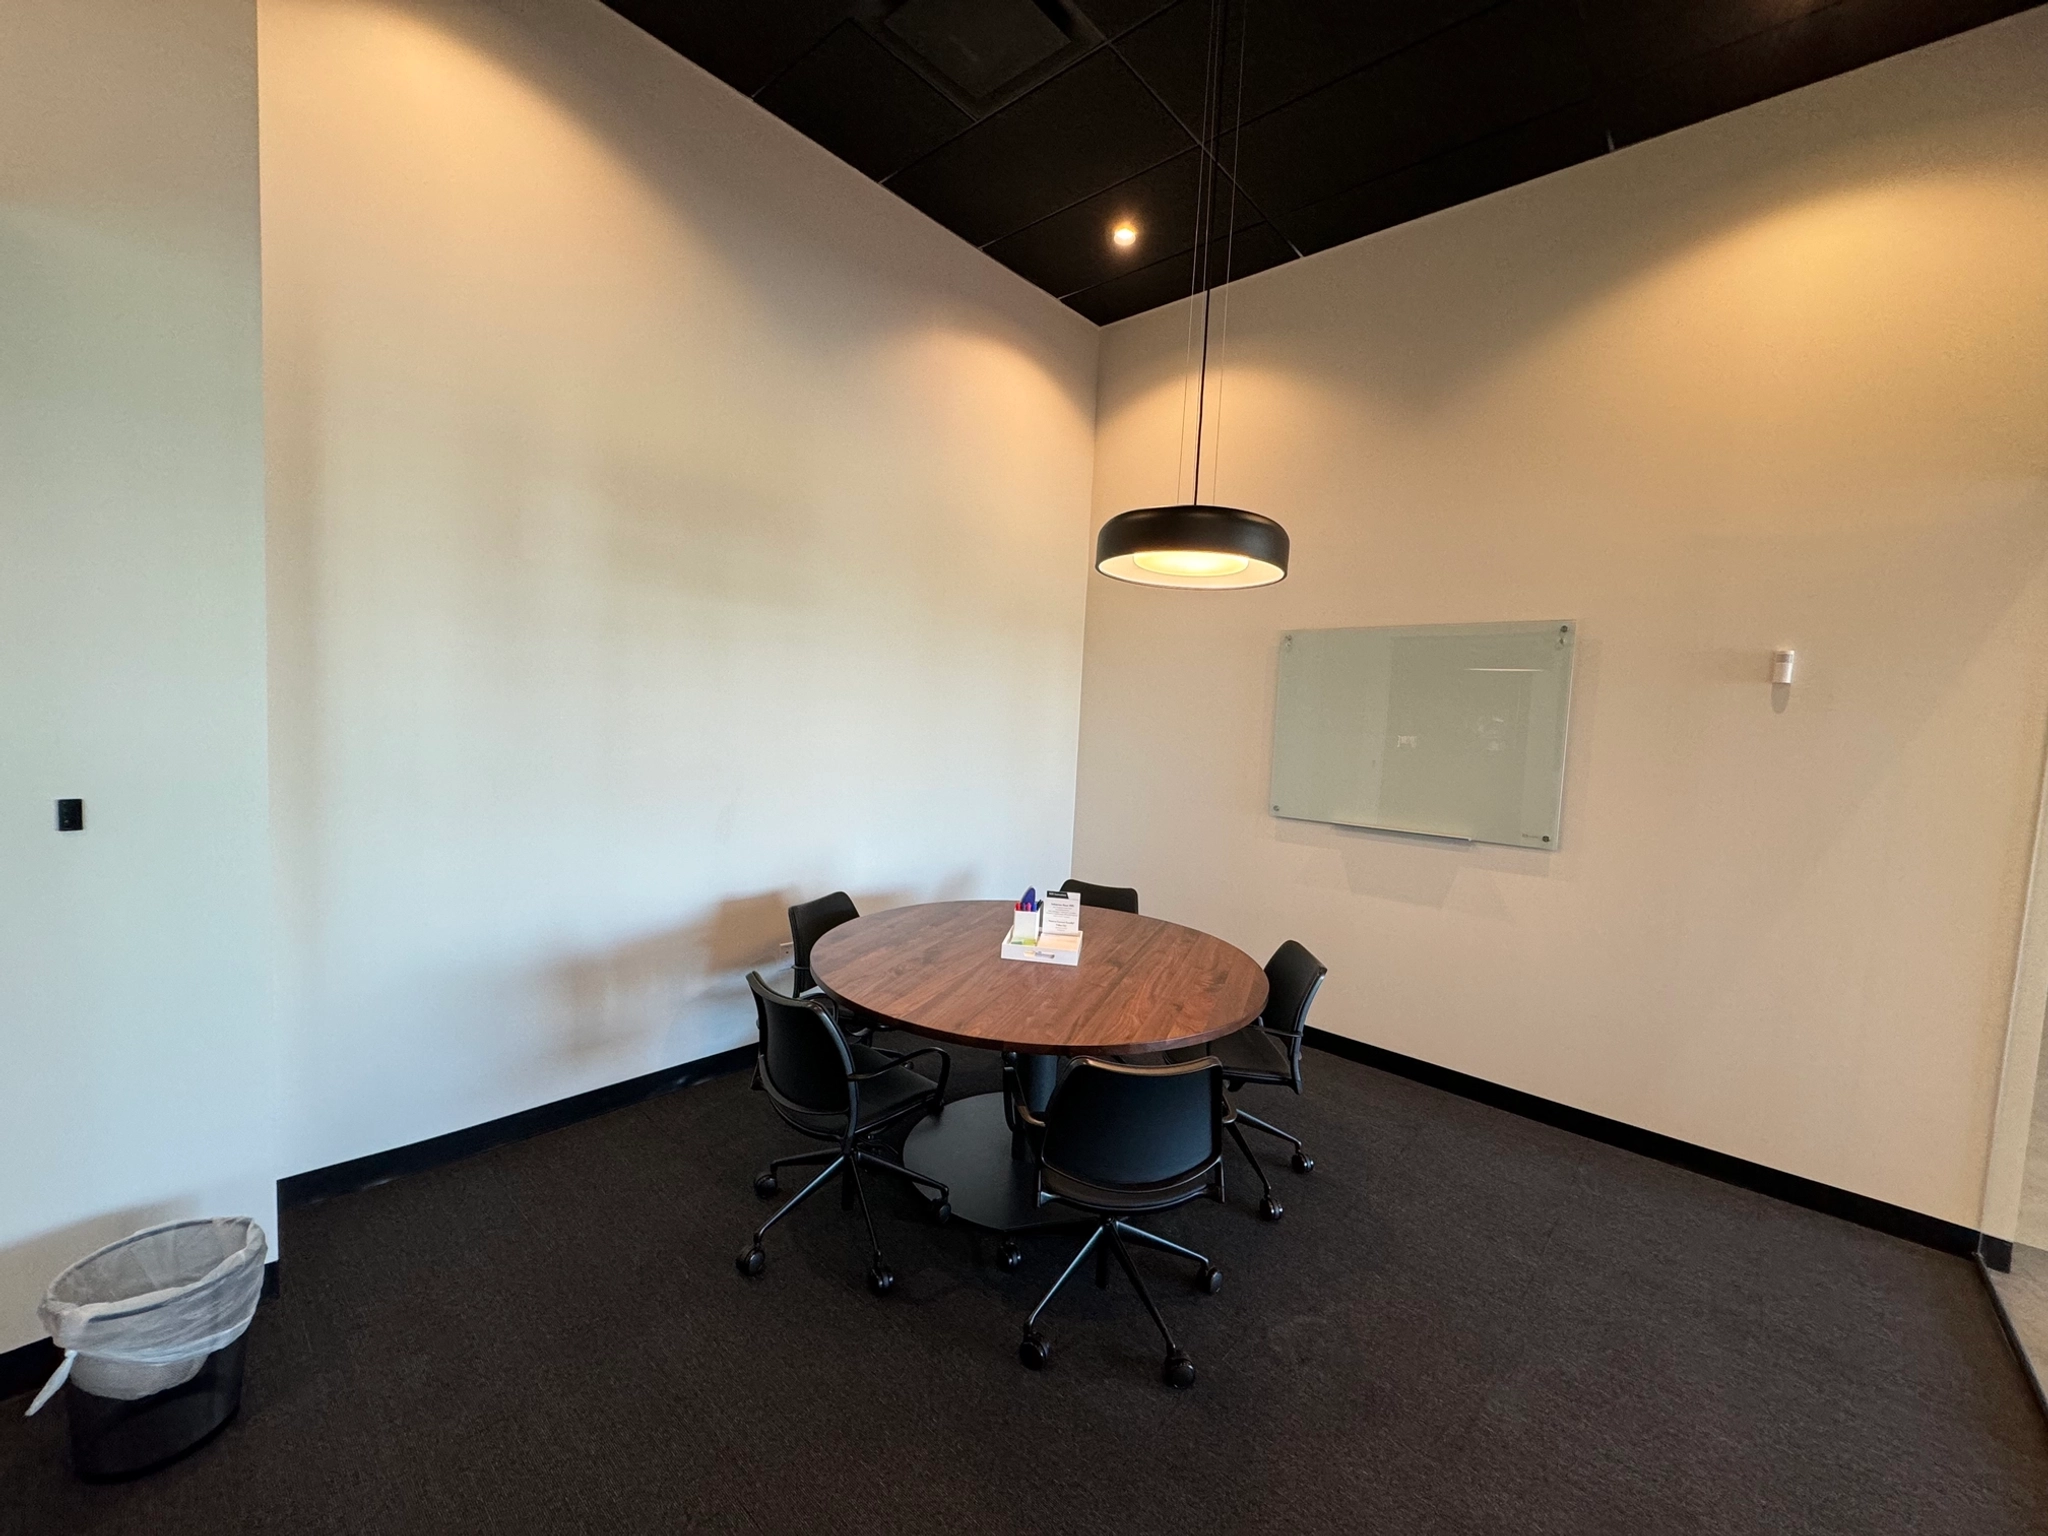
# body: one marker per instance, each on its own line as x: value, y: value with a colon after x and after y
x: 1781, y: 667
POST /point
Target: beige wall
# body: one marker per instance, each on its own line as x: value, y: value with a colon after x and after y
x: 667, y: 523
x: 1780, y: 379
x: 138, y: 1062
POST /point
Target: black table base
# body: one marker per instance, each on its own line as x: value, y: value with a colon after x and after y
x: 968, y: 1149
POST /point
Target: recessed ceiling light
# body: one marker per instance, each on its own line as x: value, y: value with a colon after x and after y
x: 1124, y: 235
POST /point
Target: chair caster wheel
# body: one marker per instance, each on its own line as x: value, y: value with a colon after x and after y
x: 881, y: 1279
x: 1178, y: 1372
x: 1210, y: 1280
x: 1271, y: 1209
x: 765, y: 1185
x: 942, y: 1211
x: 752, y: 1261
x: 1034, y: 1352
x: 1010, y: 1255
x: 1303, y: 1163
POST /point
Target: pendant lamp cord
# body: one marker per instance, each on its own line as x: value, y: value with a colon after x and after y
x: 1229, y: 242
x: 1198, y: 260
x: 1202, y: 278
x: 1205, y: 212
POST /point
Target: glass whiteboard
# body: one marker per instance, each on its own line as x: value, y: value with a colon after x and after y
x: 1450, y: 730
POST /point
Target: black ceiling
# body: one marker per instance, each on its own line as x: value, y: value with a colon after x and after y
x: 1028, y: 127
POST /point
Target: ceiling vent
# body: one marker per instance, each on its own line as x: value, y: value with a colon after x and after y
x: 978, y: 45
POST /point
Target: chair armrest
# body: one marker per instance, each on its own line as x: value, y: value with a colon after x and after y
x: 1014, y: 1097
x: 897, y: 1059
x: 903, y: 1058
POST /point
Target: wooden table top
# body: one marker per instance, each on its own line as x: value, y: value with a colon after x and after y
x: 1142, y: 985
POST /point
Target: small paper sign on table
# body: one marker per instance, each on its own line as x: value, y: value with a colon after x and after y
x: 1048, y: 933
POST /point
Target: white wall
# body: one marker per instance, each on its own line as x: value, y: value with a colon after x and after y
x: 667, y: 523
x: 139, y: 1073
x: 1779, y: 379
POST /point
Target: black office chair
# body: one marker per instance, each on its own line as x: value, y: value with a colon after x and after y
x: 1116, y: 898
x: 837, y: 1091
x: 810, y: 921
x: 1268, y: 1052
x: 1113, y: 898
x: 1119, y: 1141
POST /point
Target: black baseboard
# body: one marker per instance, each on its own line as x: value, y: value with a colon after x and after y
x: 1914, y: 1226
x: 381, y: 1167
x: 24, y: 1370
x: 1996, y: 1252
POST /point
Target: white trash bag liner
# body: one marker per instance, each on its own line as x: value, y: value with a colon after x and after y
x: 141, y: 1315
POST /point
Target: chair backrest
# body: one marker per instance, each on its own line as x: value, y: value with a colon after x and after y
x: 804, y: 1059
x: 1116, y: 898
x: 810, y: 921
x: 1293, y: 977
x: 1119, y: 1126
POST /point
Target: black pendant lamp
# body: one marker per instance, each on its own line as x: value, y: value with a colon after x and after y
x: 1195, y: 543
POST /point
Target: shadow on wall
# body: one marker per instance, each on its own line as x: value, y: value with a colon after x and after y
x: 635, y: 995
x: 27, y: 1267
x: 1547, y: 252
x: 1410, y: 867
x: 601, y: 76
x: 958, y: 886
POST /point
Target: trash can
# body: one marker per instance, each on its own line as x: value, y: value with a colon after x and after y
x: 151, y: 1328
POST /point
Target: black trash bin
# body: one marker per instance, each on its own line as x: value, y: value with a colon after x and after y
x: 152, y: 1328
x: 112, y: 1439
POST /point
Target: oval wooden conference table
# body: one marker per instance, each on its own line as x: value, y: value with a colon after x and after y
x: 1141, y: 985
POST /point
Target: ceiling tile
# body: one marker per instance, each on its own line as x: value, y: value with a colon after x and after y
x: 1289, y: 51
x: 857, y: 99
x: 1504, y: 159
x: 1358, y: 114
x: 1630, y: 36
x: 1072, y: 249
x: 1161, y: 282
x: 1512, y: 64
x: 978, y: 45
x: 746, y: 46
x: 1110, y: 17
x: 1812, y: 46
x: 1081, y: 132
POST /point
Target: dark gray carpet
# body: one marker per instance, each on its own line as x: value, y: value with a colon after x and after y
x: 1466, y: 1322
